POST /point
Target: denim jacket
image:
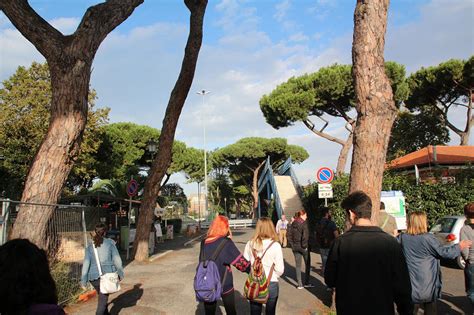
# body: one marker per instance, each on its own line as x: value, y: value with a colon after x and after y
x: 109, y: 257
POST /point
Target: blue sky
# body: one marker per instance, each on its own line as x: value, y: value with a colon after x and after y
x: 249, y: 47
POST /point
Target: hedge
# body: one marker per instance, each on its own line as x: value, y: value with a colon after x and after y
x: 436, y: 199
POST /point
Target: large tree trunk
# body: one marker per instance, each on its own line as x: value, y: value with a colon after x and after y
x: 375, y: 106
x: 70, y: 60
x: 165, y: 143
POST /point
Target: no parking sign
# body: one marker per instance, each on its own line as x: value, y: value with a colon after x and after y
x: 324, y: 175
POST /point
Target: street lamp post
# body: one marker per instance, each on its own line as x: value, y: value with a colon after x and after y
x: 225, y: 206
x: 203, y: 93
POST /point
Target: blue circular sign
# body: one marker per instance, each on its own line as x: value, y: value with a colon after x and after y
x: 325, y: 175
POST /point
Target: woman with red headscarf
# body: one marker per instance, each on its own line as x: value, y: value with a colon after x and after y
x: 219, y: 232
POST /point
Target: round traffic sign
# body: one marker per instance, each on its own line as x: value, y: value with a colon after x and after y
x: 325, y: 175
x: 132, y: 188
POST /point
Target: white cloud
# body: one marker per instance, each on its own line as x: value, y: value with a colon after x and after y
x: 65, y: 25
x: 299, y: 37
x: 281, y: 10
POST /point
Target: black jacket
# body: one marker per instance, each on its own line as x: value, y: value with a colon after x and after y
x: 368, y: 270
x: 299, y: 235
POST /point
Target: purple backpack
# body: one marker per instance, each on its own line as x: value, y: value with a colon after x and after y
x: 207, y: 281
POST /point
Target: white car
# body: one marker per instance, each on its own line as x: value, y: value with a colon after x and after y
x: 447, y: 230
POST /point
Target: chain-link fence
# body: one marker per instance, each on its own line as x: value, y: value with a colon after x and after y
x: 68, y: 232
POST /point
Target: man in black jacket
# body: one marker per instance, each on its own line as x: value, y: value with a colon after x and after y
x: 367, y: 266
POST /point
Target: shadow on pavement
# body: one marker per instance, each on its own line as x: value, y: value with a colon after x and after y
x: 127, y: 299
x: 319, y: 290
x: 241, y: 305
x: 460, y: 303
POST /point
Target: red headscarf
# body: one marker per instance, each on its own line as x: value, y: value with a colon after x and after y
x: 219, y: 228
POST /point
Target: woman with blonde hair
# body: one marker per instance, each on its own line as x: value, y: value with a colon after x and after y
x: 219, y: 241
x: 422, y: 252
x: 264, y: 244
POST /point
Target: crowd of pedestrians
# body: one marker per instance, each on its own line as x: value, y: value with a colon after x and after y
x: 371, y: 269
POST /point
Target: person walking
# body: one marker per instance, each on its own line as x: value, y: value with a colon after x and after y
x: 326, y: 233
x: 366, y: 266
x: 265, y: 243
x: 26, y: 284
x: 229, y: 255
x: 467, y: 233
x: 387, y: 222
x: 299, y: 245
x: 422, y: 252
x: 281, y: 228
x: 109, y: 260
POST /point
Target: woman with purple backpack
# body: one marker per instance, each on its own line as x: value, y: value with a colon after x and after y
x: 218, y: 241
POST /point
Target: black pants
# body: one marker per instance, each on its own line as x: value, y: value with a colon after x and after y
x: 270, y: 306
x: 103, y: 299
x: 229, y: 305
x: 299, y: 256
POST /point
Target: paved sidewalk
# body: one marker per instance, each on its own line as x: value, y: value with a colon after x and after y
x: 165, y: 286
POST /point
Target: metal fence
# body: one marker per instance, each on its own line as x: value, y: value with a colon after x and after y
x: 68, y: 233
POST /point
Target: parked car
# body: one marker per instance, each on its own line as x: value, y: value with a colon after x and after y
x: 447, y: 230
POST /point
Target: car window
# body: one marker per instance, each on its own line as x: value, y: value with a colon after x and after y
x: 444, y: 225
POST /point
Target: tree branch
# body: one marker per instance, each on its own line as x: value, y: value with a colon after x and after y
x: 33, y: 27
x: 308, y: 123
x: 100, y: 20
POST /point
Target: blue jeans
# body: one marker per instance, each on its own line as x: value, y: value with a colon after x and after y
x: 270, y: 306
x: 103, y: 299
x: 469, y: 278
x: 324, y: 258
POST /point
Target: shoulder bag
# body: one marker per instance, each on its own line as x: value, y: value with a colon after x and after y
x: 109, y: 282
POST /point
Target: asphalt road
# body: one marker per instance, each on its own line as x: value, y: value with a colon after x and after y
x: 164, y: 286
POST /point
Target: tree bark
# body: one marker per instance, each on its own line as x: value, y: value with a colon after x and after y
x: 343, y: 154
x: 376, y: 110
x: 178, y: 96
x: 70, y: 60
x: 255, y: 188
x: 469, y: 120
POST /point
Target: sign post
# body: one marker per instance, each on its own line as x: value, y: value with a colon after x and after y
x: 132, y: 189
x: 324, y: 176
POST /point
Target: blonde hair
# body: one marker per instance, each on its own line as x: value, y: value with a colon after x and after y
x: 264, y: 230
x: 417, y: 223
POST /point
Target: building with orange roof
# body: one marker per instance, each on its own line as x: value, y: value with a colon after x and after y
x: 435, y: 162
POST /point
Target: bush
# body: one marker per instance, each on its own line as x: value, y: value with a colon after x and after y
x: 67, y: 286
x: 436, y: 199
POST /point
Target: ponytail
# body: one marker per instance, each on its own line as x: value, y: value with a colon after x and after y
x: 99, y: 234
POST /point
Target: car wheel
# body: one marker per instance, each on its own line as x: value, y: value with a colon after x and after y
x: 461, y: 262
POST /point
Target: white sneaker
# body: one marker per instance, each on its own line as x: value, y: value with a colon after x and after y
x: 300, y: 288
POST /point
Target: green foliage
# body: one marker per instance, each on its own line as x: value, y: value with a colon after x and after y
x: 25, y: 101
x: 328, y: 91
x: 436, y: 199
x: 435, y: 90
x: 68, y: 287
x: 412, y: 132
x: 123, y: 151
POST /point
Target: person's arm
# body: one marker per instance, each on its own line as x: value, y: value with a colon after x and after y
x: 247, y: 251
x: 464, y: 235
x: 401, y: 284
x: 278, y: 226
x: 305, y: 235
x: 85, y: 267
x: 279, y: 263
x: 232, y: 256
x: 117, y: 261
x: 330, y: 271
x: 447, y: 251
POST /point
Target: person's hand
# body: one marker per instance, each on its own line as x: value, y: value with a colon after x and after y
x: 465, y: 244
